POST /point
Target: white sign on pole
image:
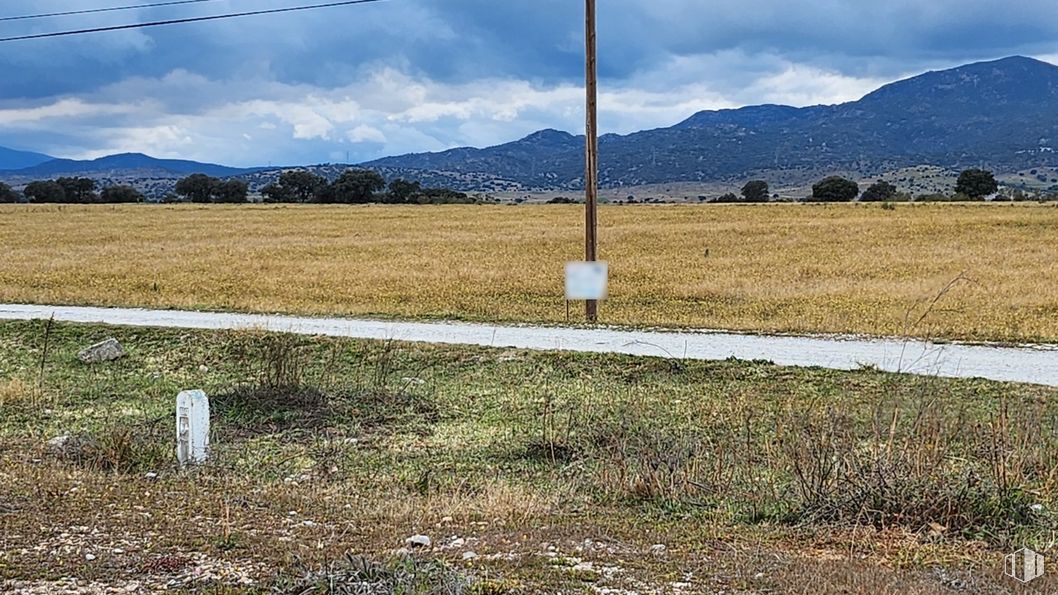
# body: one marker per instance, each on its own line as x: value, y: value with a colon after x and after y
x: 192, y: 427
x: 587, y: 280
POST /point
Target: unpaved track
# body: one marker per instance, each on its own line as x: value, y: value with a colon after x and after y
x: 1029, y: 364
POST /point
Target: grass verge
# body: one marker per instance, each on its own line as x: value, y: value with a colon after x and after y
x: 530, y: 472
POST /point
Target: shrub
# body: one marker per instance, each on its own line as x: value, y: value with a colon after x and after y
x: 976, y: 183
x: 7, y: 195
x: 121, y: 194
x: 756, y: 191
x: 879, y: 191
x: 835, y: 189
x: 45, y: 192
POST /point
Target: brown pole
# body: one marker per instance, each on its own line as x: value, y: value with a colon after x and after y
x: 591, y: 175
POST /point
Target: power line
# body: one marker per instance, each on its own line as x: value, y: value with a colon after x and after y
x: 187, y: 20
x: 97, y: 10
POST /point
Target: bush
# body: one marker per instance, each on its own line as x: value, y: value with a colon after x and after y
x: 879, y: 191
x: 976, y: 183
x: 45, y: 192
x: 121, y: 194
x: 7, y: 195
x: 756, y: 191
x: 730, y: 197
x: 835, y: 189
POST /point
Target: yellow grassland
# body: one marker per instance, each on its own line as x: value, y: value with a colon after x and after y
x: 776, y: 268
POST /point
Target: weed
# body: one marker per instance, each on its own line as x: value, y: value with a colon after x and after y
x: 356, y: 575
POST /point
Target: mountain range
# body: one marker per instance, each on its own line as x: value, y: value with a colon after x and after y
x: 1001, y: 114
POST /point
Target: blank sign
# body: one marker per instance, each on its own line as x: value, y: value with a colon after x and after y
x: 586, y: 280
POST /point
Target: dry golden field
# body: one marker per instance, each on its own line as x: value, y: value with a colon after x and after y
x: 797, y: 268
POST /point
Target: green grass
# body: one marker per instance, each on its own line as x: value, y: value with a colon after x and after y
x: 325, y: 448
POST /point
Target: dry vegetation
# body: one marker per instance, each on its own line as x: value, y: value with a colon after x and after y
x: 798, y: 268
x: 561, y: 472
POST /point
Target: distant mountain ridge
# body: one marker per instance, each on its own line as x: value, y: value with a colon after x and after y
x: 12, y: 159
x: 1001, y: 114
x: 123, y: 164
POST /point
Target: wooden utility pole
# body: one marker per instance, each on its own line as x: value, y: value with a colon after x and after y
x: 591, y: 175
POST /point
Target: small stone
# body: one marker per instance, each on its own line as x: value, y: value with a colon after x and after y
x: 71, y: 447
x: 89, y: 557
x: 105, y: 351
x: 467, y: 556
x: 203, y: 368
x: 658, y: 549
x: 418, y: 541
x: 151, y: 476
x: 447, y: 520
x: 457, y: 542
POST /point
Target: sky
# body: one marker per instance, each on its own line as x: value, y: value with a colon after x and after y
x: 398, y: 76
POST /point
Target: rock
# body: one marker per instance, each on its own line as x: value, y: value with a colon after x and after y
x: 151, y: 476
x: 458, y: 542
x: 89, y: 557
x: 72, y: 447
x: 658, y: 549
x: 467, y: 556
x: 418, y: 541
x: 203, y: 368
x: 106, y: 351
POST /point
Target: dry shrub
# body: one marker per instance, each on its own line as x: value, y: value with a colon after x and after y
x: 16, y: 394
x: 122, y: 448
x: 925, y: 468
x: 297, y: 387
x: 356, y: 575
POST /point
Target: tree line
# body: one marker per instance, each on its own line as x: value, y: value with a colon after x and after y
x: 355, y: 186
x: 973, y: 184
x: 70, y: 191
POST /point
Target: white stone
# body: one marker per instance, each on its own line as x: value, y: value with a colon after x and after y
x: 192, y: 427
x: 105, y: 351
x: 470, y: 556
x: 418, y: 541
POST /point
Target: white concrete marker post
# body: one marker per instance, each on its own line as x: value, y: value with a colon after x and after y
x: 192, y: 427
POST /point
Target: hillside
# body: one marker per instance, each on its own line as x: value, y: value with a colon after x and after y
x: 124, y: 164
x: 12, y: 159
x: 999, y: 114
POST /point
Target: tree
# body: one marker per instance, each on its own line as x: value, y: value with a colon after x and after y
x: 121, y: 194
x: 78, y: 190
x: 230, y: 191
x: 976, y: 183
x: 196, y: 188
x: 756, y: 191
x: 46, y: 191
x: 878, y: 192
x: 403, y: 191
x: 356, y: 186
x: 295, y: 186
x: 835, y: 189
x: 7, y: 195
